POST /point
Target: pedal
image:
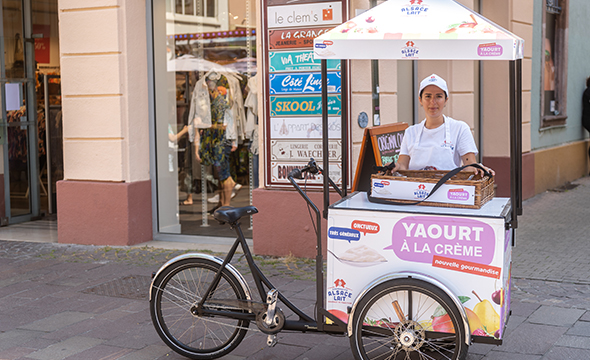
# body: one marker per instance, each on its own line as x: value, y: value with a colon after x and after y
x: 271, y: 340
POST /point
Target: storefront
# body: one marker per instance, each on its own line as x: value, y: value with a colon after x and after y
x: 30, y: 132
x: 206, y: 123
x: 137, y: 168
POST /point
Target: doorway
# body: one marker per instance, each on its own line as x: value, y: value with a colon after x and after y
x: 30, y: 107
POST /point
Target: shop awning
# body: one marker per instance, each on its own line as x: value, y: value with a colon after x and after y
x: 419, y: 29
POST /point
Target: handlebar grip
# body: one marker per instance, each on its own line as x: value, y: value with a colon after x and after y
x: 295, y: 173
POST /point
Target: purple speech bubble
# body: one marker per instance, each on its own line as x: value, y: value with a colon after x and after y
x: 419, y: 238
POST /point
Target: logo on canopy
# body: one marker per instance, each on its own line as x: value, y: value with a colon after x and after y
x: 410, y: 51
x: 415, y: 8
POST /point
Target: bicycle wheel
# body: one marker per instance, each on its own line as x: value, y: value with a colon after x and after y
x: 407, y: 319
x: 178, y: 289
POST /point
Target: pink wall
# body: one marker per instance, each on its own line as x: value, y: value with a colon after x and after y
x: 283, y: 226
x: 501, y: 166
x: 104, y: 213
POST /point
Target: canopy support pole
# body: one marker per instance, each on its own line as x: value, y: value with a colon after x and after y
x: 514, y: 146
x: 519, y: 131
x: 344, y: 125
x: 325, y: 136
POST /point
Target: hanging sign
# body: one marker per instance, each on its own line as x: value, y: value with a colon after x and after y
x: 303, y: 128
x: 303, y: 105
x: 292, y: 88
x: 298, y: 61
x: 303, y: 83
x: 318, y: 14
x: 294, y: 38
x: 303, y: 150
x: 280, y: 171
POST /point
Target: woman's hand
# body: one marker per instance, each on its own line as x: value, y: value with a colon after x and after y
x: 480, y: 171
x: 402, y: 164
x: 469, y: 158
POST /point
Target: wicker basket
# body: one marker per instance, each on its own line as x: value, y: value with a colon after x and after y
x: 484, y: 186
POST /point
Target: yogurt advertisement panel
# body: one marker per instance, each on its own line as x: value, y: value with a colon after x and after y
x: 468, y: 254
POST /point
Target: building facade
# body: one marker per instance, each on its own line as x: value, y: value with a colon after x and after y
x: 135, y: 77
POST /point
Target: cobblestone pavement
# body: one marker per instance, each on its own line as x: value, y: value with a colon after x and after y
x: 55, y: 302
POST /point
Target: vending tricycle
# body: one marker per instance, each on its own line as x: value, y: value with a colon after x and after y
x: 403, y: 281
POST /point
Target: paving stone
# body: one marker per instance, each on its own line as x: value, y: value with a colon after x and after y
x: 551, y: 315
x: 100, y: 352
x: 14, y: 338
x: 580, y: 328
x: 57, y: 321
x: 64, y: 349
x: 16, y: 353
x: 532, y: 339
x: 586, y: 316
x: 566, y: 353
x: 322, y: 352
x: 152, y: 352
x: 581, y: 342
x: 499, y: 355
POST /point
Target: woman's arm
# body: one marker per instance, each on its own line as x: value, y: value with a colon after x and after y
x: 403, y: 162
x: 469, y: 158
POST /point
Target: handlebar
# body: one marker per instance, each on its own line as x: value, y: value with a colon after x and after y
x: 311, y: 168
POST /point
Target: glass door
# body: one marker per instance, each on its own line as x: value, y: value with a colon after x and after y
x: 18, y: 117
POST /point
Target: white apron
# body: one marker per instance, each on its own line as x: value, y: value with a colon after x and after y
x: 441, y: 157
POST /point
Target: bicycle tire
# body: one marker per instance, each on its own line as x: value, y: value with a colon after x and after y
x: 379, y: 333
x: 177, y: 289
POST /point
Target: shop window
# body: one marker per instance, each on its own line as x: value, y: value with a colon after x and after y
x: 204, y: 67
x: 205, y: 8
x: 554, y: 75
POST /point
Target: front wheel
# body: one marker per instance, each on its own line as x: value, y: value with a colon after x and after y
x: 407, y: 319
x: 178, y: 289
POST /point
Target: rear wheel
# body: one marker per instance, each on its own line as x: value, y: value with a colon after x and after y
x: 178, y: 290
x: 407, y: 319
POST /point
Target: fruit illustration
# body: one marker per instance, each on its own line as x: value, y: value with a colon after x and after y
x: 442, y: 322
x: 487, y: 315
x: 498, y: 297
x: 474, y: 322
x: 339, y: 314
x: 479, y: 332
x: 426, y: 324
x: 497, y: 334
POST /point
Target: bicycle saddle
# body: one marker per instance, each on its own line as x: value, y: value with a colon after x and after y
x: 229, y: 214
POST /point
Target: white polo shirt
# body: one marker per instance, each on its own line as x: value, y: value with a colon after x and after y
x: 441, y: 148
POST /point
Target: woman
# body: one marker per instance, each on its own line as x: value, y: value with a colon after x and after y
x: 438, y: 142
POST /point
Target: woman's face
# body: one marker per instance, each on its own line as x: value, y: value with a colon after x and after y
x: 433, y: 100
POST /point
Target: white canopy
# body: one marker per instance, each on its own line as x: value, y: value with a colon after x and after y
x: 419, y: 29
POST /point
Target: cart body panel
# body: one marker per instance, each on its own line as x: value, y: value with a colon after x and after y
x: 467, y: 250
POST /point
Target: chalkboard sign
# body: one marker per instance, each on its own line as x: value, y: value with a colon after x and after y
x: 380, y: 146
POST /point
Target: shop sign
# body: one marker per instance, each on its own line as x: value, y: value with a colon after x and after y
x: 303, y: 83
x: 303, y: 105
x: 298, y: 61
x: 303, y: 128
x: 287, y: 2
x: 43, y: 45
x: 294, y: 38
x: 303, y: 150
x: 315, y: 14
x: 280, y: 170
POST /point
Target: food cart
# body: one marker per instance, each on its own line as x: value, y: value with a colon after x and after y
x: 465, y: 253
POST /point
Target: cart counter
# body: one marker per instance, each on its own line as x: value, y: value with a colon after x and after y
x: 468, y: 250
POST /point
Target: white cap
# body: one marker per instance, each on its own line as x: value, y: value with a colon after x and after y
x: 436, y: 81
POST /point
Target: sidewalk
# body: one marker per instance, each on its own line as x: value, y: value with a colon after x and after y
x: 84, y: 302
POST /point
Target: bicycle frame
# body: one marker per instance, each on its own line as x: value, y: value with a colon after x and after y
x: 304, y: 323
